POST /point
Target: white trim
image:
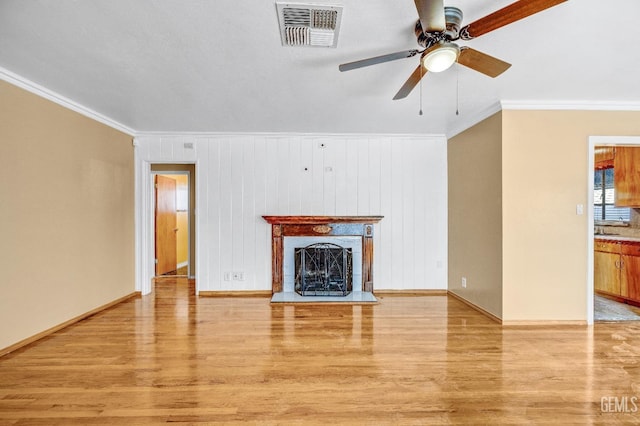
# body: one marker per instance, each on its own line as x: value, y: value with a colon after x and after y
x: 615, y: 140
x: 196, y: 135
x: 54, y: 97
x: 182, y: 264
x: 590, y: 260
x: 475, y: 119
x: 144, y: 222
x: 571, y: 105
x: 144, y: 230
x: 148, y: 196
x: 593, y: 141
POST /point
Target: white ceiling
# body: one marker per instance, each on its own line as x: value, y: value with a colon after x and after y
x: 219, y: 65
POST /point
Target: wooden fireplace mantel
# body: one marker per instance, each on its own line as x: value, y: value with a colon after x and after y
x: 309, y: 226
x: 319, y: 220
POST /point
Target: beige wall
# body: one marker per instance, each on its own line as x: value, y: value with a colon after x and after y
x: 66, y: 215
x: 545, y: 172
x: 475, y: 214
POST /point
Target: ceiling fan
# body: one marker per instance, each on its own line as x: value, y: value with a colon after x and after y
x: 437, y: 30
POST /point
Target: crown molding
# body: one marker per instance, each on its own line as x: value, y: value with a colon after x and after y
x: 571, y: 105
x: 52, y: 96
x: 276, y: 135
x: 474, y: 119
x: 541, y: 105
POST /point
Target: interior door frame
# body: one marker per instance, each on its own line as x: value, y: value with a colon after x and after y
x: 593, y: 141
x: 169, y: 173
x: 145, y: 244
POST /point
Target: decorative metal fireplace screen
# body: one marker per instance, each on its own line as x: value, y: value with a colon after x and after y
x: 323, y: 269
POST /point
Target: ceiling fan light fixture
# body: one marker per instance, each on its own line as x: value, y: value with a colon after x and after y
x: 440, y: 56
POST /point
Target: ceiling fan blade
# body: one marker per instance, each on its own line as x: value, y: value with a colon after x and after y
x: 481, y: 62
x: 378, y: 60
x: 411, y: 82
x: 514, y: 12
x: 431, y: 13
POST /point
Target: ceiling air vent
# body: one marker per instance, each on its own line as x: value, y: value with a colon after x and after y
x: 309, y: 24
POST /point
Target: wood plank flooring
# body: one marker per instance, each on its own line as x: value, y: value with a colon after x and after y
x: 171, y: 357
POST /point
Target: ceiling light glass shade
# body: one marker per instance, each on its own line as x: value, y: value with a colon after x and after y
x: 440, y: 57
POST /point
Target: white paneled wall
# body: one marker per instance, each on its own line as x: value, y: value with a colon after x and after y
x: 239, y: 178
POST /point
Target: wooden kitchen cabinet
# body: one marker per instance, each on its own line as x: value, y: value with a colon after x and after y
x: 630, y: 270
x: 604, y: 156
x: 606, y: 258
x: 606, y: 277
x: 630, y: 276
x: 627, y: 176
x: 617, y: 269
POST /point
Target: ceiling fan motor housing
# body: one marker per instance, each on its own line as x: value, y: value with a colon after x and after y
x: 453, y: 19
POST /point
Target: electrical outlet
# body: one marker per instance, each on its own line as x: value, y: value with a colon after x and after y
x: 227, y: 276
x: 464, y: 282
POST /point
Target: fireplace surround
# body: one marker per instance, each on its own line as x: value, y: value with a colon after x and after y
x: 289, y: 226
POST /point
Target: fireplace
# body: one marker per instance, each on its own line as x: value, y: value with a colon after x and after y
x: 324, y: 229
x: 323, y: 269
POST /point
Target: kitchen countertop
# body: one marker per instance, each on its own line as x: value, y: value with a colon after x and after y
x: 616, y: 238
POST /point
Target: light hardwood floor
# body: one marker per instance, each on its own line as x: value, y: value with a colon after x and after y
x: 171, y: 357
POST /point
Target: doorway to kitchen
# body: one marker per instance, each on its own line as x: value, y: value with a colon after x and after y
x: 174, y: 224
x: 614, y: 229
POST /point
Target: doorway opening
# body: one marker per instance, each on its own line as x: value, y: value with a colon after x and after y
x: 174, y: 224
x: 614, y: 229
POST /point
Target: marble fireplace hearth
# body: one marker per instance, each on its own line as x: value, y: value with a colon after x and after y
x: 357, y: 229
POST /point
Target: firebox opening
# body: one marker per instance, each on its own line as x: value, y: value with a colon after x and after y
x: 323, y: 269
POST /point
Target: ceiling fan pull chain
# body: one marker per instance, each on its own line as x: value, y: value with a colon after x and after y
x: 457, y: 88
x: 420, y: 113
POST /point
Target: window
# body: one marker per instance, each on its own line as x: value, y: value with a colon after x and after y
x: 603, y: 207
